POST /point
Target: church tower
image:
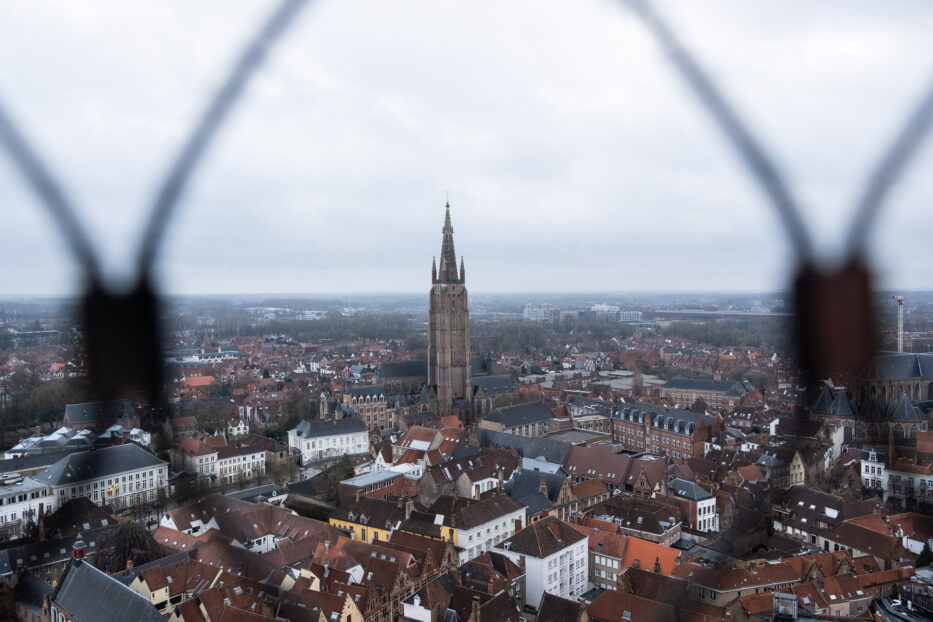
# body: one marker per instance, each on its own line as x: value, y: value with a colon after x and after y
x: 449, y: 331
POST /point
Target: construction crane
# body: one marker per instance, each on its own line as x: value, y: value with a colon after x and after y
x: 900, y: 322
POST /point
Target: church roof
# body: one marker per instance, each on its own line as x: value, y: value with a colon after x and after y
x: 447, y: 272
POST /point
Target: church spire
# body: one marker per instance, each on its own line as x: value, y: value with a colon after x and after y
x: 462, y: 271
x: 433, y: 270
x: 448, y: 268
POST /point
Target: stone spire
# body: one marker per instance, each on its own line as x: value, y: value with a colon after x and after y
x: 433, y: 269
x: 462, y: 271
x: 448, y: 268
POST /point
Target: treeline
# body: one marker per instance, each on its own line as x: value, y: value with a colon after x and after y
x: 41, y: 403
x: 764, y: 333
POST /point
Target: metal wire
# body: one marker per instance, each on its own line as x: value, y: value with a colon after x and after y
x: 888, y: 171
x: 218, y: 110
x: 754, y: 156
x: 50, y: 194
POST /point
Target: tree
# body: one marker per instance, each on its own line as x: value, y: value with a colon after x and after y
x: 298, y: 408
x: 129, y: 541
x: 265, y: 373
x: 336, y: 473
x: 274, y: 431
x: 926, y: 556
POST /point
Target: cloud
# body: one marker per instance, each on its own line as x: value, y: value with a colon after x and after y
x: 574, y: 157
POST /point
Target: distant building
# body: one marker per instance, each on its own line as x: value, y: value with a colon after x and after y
x: 718, y: 394
x: 630, y: 316
x: 539, y: 312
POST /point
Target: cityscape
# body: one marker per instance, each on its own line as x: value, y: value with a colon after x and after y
x: 468, y: 317
x: 607, y: 457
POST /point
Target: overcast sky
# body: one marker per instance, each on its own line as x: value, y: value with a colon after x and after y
x: 574, y: 157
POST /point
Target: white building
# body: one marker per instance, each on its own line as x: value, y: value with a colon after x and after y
x: 556, y: 559
x: 539, y: 312
x: 23, y: 500
x: 238, y: 426
x: 120, y: 476
x: 701, y: 504
x: 318, y: 440
x: 874, y: 475
x: 240, y: 462
x: 483, y: 524
x: 194, y: 456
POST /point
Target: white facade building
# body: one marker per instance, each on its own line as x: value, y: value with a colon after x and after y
x: 120, y: 476
x: 23, y: 500
x: 245, y: 462
x: 539, y: 312
x: 556, y: 559
x: 319, y: 440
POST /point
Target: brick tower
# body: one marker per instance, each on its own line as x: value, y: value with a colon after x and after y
x: 449, y: 332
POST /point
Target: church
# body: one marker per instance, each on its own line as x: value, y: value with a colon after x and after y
x: 451, y: 380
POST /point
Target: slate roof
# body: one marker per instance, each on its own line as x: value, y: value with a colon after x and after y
x: 38, y: 554
x: 89, y: 595
x: 331, y: 427
x: 364, y: 391
x: 904, y: 410
x: 494, y: 385
x: 30, y: 591
x: 527, y: 447
x: 542, y: 539
x: 556, y: 609
x: 688, y: 490
x: 521, y: 414
x: 824, y: 401
x: 91, y: 412
x: 30, y: 462
x: 478, y: 366
x: 526, y: 483
x: 901, y: 366
x: 402, y: 369
x: 842, y: 405
x: 85, y: 465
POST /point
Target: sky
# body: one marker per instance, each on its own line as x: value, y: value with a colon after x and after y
x: 573, y: 156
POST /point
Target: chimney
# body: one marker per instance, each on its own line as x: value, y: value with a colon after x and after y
x: 327, y: 546
x: 542, y: 485
x: 474, y: 616
x: 408, y: 505
x: 657, y: 565
x: 400, y: 502
x: 129, y: 566
x: 359, y: 494
x: 501, y: 478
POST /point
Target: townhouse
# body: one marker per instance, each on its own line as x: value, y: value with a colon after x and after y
x: 611, y: 552
x: 240, y: 462
x: 555, y: 556
x: 680, y: 434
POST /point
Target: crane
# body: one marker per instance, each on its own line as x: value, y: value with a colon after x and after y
x: 900, y: 322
